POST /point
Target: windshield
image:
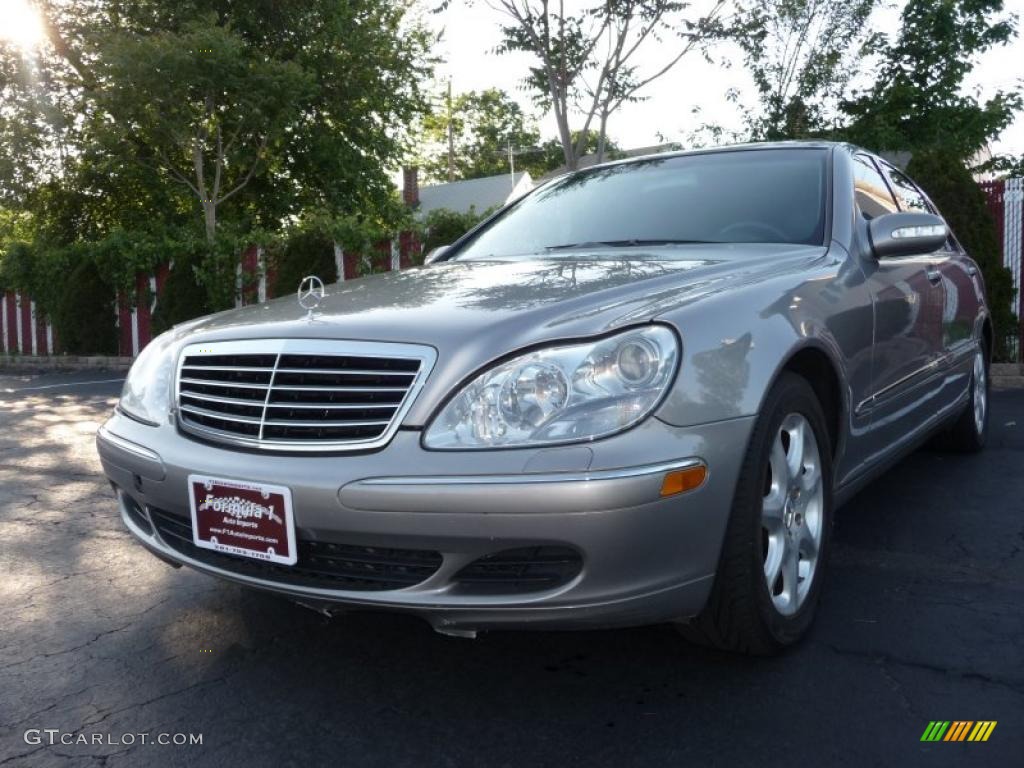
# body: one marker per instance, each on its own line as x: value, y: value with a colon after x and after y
x: 747, y: 196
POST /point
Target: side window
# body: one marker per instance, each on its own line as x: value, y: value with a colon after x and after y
x: 912, y: 199
x: 907, y: 194
x: 870, y: 190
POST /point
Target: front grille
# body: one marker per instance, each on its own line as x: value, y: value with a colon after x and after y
x: 527, y: 569
x: 324, y: 565
x: 298, y: 394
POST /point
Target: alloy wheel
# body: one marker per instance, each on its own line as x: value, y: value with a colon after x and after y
x: 792, y: 513
x: 980, y: 392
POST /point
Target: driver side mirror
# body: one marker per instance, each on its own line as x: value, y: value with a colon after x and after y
x: 436, y: 253
x: 906, y: 234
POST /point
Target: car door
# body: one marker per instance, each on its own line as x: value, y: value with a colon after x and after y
x: 962, y: 299
x: 956, y: 303
x: 908, y: 301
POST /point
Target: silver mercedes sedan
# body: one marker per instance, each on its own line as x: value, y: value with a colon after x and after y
x: 637, y: 394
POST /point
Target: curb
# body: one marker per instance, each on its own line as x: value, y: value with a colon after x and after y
x: 25, y: 363
x: 1007, y: 375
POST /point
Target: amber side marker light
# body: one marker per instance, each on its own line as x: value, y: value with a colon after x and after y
x: 683, y: 480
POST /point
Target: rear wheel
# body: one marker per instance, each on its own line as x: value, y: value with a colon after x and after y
x: 970, y: 431
x: 777, y: 540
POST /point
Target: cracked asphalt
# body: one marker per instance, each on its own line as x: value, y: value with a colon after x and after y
x: 922, y: 619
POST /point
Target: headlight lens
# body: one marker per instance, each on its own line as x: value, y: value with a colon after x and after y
x: 146, y: 395
x: 561, y: 394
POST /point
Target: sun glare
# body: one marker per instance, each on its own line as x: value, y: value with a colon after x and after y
x: 20, y: 24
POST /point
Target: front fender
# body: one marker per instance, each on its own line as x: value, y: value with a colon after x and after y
x: 736, y: 343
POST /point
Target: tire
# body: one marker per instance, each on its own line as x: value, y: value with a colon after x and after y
x: 743, y: 614
x: 969, y: 432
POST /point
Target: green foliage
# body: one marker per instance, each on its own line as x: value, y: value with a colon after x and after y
x: 161, y: 130
x: 305, y: 252
x: 919, y: 101
x: 443, y: 227
x: 37, y: 271
x: 485, y: 124
x: 182, y: 298
x: 942, y: 174
x: 91, y: 331
x: 801, y: 54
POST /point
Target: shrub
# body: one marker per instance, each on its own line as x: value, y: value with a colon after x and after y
x: 952, y: 188
x: 182, y: 298
x: 85, y: 320
x: 304, y: 252
x: 443, y: 227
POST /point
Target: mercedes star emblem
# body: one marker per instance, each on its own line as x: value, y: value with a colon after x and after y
x: 311, y: 293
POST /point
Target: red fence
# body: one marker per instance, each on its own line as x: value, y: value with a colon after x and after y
x: 254, y: 283
x: 22, y: 330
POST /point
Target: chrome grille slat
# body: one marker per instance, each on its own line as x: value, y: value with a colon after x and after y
x: 221, y: 415
x: 331, y: 406
x: 225, y: 368
x: 290, y: 423
x: 299, y: 394
x: 295, y: 388
x: 223, y: 400
x: 209, y: 383
x: 340, y: 372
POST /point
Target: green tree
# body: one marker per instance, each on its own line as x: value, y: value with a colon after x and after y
x: 485, y: 125
x: 943, y: 175
x: 548, y: 156
x: 801, y: 55
x: 593, y: 59
x: 200, y: 106
x: 141, y: 129
x: 919, y: 101
x: 444, y: 227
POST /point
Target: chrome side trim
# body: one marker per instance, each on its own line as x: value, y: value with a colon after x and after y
x: 534, y: 478
x: 127, y: 445
x: 959, y: 353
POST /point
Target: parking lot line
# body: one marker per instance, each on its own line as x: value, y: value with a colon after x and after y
x: 68, y: 384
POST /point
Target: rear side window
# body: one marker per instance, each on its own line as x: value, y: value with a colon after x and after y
x: 907, y: 194
x: 870, y: 190
x: 911, y: 198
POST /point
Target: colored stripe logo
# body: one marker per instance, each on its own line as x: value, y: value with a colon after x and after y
x: 958, y: 730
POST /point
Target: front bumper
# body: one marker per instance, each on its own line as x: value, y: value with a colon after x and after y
x: 645, y: 558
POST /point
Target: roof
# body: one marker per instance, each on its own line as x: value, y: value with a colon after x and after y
x: 590, y: 160
x: 789, y: 144
x: 479, y: 194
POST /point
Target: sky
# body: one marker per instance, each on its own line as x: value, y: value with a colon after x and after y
x: 470, y: 34
x: 470, y: 31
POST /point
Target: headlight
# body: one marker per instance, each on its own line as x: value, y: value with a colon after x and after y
x: 561, y: 394
x: 147, y: 390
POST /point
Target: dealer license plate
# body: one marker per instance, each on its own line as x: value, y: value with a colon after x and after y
x: 241, y: 518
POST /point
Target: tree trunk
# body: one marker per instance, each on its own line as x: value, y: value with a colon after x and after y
x: 210, y: 220
x: 602, y: 135
x: 564, y: 134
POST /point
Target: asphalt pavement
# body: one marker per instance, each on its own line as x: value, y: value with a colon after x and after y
x: 922, y: 619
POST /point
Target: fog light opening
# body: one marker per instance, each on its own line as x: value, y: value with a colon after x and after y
x: 135, y: 512
x: 683, y: 480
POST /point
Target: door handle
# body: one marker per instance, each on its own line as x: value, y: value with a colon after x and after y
x: 934, y: 276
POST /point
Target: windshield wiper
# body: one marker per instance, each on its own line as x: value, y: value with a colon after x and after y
x: 622, y: 244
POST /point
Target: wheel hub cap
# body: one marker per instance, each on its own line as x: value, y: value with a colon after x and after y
x: 980, y: 392
x: 791, y: 513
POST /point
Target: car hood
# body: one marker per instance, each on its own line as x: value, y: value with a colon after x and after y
x: 473, y: 312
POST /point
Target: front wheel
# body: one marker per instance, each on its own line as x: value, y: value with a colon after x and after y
x: 777, y: 540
